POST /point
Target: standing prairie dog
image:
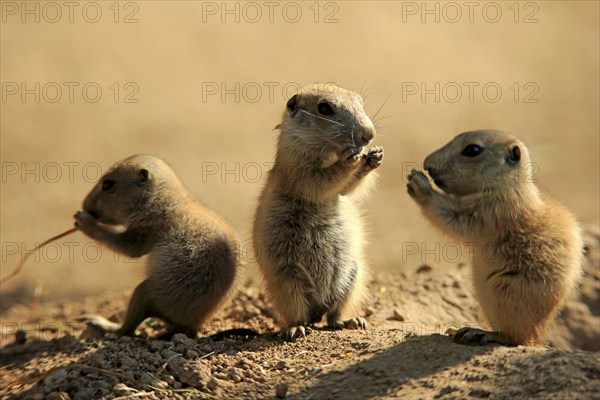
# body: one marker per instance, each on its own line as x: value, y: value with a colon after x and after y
x: 308, y: 232
x: 528, y: 249
x: 192, y: 251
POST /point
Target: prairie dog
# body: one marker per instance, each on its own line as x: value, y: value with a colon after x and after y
x: 192, y: 251
x: 308, y: 232
x: 528, y: 249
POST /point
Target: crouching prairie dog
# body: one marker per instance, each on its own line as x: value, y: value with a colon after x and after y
x: 308, y: 233
x: 528, y: 249
x: 192, y: 251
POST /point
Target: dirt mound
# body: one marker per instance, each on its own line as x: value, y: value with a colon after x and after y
x: 405, y: 352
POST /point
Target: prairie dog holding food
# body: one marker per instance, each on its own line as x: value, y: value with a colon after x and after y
x: 528, y: 249
x: 308, y: 231
x: 192, y: 251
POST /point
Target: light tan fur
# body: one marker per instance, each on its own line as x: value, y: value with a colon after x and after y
x: 308, y: 230
x: 527, y: 248
x: 193, y: 252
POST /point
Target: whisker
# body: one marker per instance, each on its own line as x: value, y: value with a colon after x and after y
x: 364, y: 84
x: 384, y: 102
x: 385, y: 117
x: 379, y: 135
x: 360, y: 92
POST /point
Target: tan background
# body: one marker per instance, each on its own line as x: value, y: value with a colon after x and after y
x: 170, y: 53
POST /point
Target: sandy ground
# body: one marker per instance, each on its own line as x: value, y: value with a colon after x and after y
x: 203, y: 89
x: 405, y: 353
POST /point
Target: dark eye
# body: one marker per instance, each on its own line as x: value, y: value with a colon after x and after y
x: 108, y: 184
x: 291, y: 104
x: 472, y: 150
x: 325, y: 108
x: 144, y: 175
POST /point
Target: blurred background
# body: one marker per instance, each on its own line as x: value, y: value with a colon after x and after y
x: 203, y: 84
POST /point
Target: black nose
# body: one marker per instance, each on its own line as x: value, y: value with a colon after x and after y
x: 366, y: 138
x: 427, y: 165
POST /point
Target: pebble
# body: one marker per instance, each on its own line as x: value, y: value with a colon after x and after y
x: 212, y: 384
x: 191, y: 354
x: 36, y: 396
x: 281, y: 390
x: 56, y: 377
x: 235, y: 375
x: 123, y: 389
x: 91, y: 333
x: 170, y: 379
x: 192, y: 373
x: 397, y: 315
x: 252, y: 311
x: 282, y: 365
x: 20, y: 336
x: 158, y: 345
x: 424, y: 268
x: 168, y: 354
x: 58, y: 396
x: 181, y: 339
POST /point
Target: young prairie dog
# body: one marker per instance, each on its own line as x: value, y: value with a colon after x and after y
x: 528, y: 249
x: 308, y: 232
x: 192, y: 251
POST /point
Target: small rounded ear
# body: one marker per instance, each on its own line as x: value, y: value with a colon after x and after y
x: 292, y: 105
x: 514, y: 155
x: 144, y: 175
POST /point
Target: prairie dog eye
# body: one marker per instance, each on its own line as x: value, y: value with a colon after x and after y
x: 515, y: 154
x: 325, y: 108
x: 108, y: 184
x: 144, y: 175
x: 472, y: 150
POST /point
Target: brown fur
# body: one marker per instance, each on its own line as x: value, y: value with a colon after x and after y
x: 192, y: 251
x: 308, y: 230
x: 528, y: 248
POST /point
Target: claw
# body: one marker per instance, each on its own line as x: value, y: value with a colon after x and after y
x: 296, y: 331
x: 356, y: 323
x: 353, y: 323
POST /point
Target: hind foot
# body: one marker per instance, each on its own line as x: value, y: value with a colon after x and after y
x: 353, y: 323
x: 478, y: 337
x: 294, y: 332
x: 99, y: 322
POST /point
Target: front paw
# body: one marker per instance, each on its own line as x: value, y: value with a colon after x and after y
x: 351, y: 157
x: 373, y: 158
x: 418, y: 186
x: 86, y: 223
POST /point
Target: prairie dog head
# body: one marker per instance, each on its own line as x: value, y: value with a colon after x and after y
x: 325, y: 120
x: 127, y: 188
x: 478, y: 162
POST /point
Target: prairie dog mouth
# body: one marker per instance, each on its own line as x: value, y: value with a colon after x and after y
x: 440, y: 183
x: 112, y: 228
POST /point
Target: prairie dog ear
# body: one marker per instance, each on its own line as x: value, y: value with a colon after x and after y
x: 514, y: 155
x: 144, y: 175
x: 292, y: 105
